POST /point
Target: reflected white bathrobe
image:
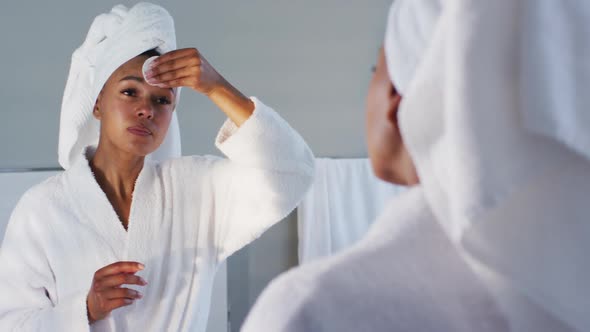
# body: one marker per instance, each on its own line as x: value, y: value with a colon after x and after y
x: 187, y: 216
x: 404, y: 275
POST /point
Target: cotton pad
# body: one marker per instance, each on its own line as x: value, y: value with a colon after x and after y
x: 146, y: 67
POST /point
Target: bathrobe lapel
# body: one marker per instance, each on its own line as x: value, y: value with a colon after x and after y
x: 145, y: 216
x: 96, y: 211
x: 94, y: 208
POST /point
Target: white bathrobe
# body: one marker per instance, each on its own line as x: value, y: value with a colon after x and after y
x: 404, y: 275
x: 187, y: 216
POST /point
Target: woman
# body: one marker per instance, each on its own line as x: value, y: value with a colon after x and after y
x: 492, y: 131
x: 129, y: 237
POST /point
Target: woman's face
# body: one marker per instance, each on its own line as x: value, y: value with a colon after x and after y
x: 390, y: 160
x: 134, y: 115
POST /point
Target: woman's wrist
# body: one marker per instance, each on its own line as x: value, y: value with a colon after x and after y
x: 232, y: 102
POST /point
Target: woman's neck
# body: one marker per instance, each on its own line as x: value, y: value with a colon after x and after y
x: 116, y: 172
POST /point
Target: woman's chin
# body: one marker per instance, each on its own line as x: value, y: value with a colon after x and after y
x: 141, y: 150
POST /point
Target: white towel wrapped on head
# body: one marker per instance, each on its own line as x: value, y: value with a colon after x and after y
x: 408, y: 32
x: 113, y: 39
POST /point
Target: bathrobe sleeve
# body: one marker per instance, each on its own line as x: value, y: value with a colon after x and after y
x: 268, y: 170
x: 28, y: 299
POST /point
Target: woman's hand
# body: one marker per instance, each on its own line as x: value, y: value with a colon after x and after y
x: 184, y: 67
x: 106, y: 294
x: 187, y: 67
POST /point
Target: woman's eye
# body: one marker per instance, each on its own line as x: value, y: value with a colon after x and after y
x: 129, y: 92
x: 164, y: 101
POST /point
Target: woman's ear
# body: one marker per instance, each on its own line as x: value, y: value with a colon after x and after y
x: 393, y: 107
x: 96, y: 110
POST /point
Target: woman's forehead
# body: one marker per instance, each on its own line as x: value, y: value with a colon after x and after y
x: 132, y: 66
x: 132, y: 71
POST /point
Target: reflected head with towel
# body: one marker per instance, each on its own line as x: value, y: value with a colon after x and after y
x: 396, y: 65
x: 390, y: 159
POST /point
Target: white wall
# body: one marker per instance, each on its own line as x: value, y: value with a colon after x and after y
x: 309, y: 59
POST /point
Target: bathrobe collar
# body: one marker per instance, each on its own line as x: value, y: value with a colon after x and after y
x: 96, y: 210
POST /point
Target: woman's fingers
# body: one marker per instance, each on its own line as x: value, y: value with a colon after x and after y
x: 185, y: 67
x: 118, y: 280
x: 105, y: 294
x: 190, y: 81
x: 190, y: 71
x: 118, y: 303
x: 176, y: 54
x: 118, y: 267
x: 159, y: 68
x: 120, y: 293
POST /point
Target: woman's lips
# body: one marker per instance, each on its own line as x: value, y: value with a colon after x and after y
x: 140, y: 131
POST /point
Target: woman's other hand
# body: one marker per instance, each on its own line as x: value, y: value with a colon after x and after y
x: 106, y: 293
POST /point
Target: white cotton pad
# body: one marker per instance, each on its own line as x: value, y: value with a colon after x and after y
x: 146, y: 66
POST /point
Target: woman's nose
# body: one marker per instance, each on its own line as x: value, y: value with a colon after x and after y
x: 145, y: 110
